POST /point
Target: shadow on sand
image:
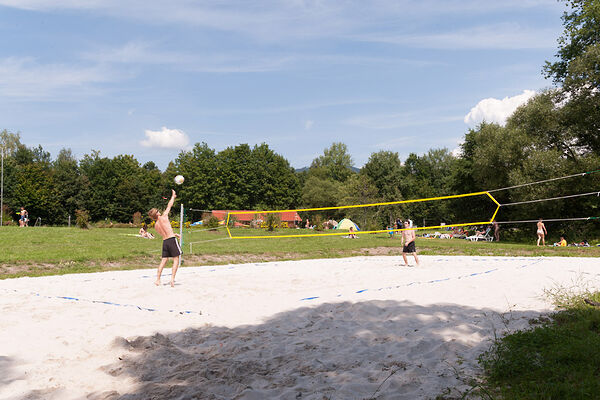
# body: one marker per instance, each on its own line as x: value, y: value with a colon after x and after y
x: 367, y: 350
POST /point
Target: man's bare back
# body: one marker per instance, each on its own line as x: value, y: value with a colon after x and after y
x: 163, y: 227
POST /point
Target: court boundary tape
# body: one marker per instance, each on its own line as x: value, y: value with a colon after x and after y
x: 110, y: 303
x: 429, y: 282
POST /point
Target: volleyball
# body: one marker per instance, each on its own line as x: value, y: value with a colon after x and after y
x: 179, y: 179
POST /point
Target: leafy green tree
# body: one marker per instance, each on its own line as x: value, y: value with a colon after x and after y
x: 152, y: 181
x: 318, y: 192
x: 546, y: 124
x: 10, y: 142
x: 202, y: 179
x: 129, y: 193
x: 577, y: 70
x: 276, y: 186
x: 360, y: 189
x: 34, y: 185
x: 336, y: 162
x: 116, y: 187
x: 236, y: 178
x: 426, y: 176
x: 579, y: 46
x: 69, y: 184
x: 384, y: 168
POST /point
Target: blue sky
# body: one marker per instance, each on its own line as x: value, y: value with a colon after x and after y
x: 149, y: 78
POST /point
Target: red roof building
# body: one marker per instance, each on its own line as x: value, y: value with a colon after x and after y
x: 249, y: 215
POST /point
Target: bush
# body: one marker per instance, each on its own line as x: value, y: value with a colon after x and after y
x: 82, y: 219
x: 211, y: 222
x: 318, y: 222
x: 137, y: 218
x: 6, y: 216
x: 232, y: 221
x: 272, y: 221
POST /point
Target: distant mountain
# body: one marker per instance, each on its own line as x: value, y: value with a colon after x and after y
x: 299, y: 170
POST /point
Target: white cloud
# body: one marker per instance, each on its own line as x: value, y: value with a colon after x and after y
x: 308, y: 124
x: 399, y: 120
x: 276, y: 20
x: 457, y: 151
x: 494, y: 110
x: 166, y: 139
x: 24, y: 77
x: 498, y: 36
x: 137, y: 52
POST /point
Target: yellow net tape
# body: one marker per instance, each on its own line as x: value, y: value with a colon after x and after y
x: 456, y: 196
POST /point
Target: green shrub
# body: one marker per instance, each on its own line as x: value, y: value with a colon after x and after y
x: 232, y: 221
x: 317, y: 221
x: 272, y: 221
x: 137, y: 218
x: 6, y: 216
x: 211, y: 222
x: 82, y: 219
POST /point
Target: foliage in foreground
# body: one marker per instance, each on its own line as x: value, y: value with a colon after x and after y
x: 558, y: 360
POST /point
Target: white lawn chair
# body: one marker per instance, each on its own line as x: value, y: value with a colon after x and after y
x: 486, y: 236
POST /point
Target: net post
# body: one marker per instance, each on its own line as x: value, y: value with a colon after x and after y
x: 227, y: 225
x: 181, y: 211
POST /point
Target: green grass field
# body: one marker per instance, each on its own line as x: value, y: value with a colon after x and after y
x: 56, y: 250
x: 557, y: 358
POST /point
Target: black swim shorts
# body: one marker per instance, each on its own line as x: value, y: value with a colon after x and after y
x: 409, y: 248
x: 171, y: 248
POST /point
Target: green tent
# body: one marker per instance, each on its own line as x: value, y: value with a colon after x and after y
x: 346, y: 224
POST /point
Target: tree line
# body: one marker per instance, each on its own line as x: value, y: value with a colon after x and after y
x: 556, y: 133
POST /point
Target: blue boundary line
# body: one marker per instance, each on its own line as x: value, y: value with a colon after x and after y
x: 103, y: 302
x: 438, y: 280
x: 303, y: 299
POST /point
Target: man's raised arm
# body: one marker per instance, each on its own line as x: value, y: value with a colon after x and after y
x: 170, y: 204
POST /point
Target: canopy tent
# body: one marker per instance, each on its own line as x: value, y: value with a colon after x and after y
x: 346, y: 224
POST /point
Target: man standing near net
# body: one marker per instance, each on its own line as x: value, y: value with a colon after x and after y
x: 170, y: 246
x: 408, y: 241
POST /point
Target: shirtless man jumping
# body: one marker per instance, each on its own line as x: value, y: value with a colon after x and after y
x: 170, y: 246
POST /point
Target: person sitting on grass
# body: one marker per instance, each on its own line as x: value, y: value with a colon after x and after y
x: 561, y: 243
x: 351, y: 234
x: 144, y: 232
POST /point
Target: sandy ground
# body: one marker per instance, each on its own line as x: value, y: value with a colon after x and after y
x: 352, y: 328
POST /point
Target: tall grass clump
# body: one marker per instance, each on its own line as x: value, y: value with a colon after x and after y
x: 559, y: 359
x: 82, y: 219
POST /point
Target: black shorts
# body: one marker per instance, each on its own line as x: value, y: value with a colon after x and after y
x: 410, y: 248
x: 171, y: 248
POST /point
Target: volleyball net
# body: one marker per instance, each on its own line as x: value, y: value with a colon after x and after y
x: 357, y: 219
x: 441, y: 212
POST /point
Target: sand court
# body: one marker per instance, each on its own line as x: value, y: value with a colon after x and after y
x: 350, y: 328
